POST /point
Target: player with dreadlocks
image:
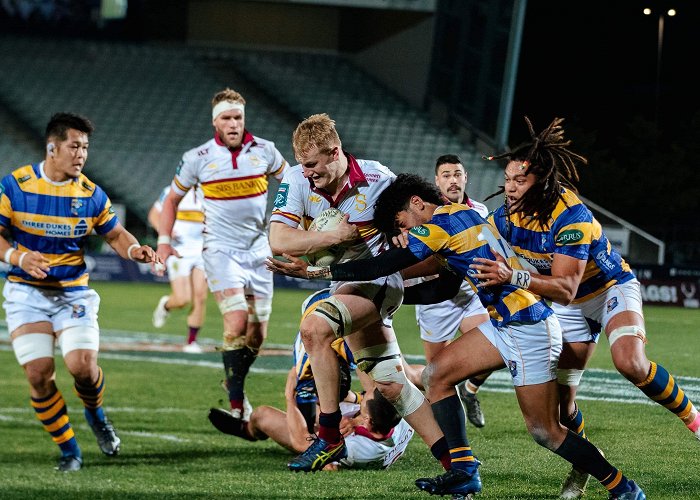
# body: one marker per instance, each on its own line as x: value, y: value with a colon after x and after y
x: 592, y: 286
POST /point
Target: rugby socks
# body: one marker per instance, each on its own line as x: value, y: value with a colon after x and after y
x: 192, y: 334
x: 53, y: 415
x: 575, y: 423
x: 329, y: 426
x: 660, y: 386
x: 441, y: 452
x: 92, y: 398
x: 451, y: 419
x: 237, y: 363
x: 584, y: 456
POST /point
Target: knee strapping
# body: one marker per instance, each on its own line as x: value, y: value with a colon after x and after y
x: 569, y: 376
x: 259, y: 309
x: 624, y: 331
x: 79, y: 337
x: 383, y: 364
x: 336, y: 315
x: 31, y: 346
x: 232, y: 303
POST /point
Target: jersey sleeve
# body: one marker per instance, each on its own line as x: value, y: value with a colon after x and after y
x: 426, y: 240
x: 185, y: 175
x: 573, y: 232
x: 107, y: 218
x: 278, y: 166
x: 289, y: 201
x: 5, y: 203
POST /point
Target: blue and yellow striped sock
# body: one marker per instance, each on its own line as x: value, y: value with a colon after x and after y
x: 53, y: 415
x: 449, y: 414
x: 92, y: 398
x: 660, y: 386
x: 575, y: 422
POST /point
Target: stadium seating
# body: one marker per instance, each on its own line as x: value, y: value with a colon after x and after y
x: 151, y: 103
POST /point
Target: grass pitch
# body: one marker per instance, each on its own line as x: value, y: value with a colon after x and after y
x: 159, y: 399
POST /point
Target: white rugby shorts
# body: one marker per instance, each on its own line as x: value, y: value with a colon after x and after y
x: 530, y: 351
x: 440, y: 322
x: 28, y: 304
x: 583, y: 322
x: 228, y: 268
x: 386, y: 292
x: 182, y: 267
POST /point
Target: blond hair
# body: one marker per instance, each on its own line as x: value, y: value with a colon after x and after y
x: 316, y: 131
x: 227, y: 95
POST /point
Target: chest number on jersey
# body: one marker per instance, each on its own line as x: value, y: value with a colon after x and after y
x: 360, y: 202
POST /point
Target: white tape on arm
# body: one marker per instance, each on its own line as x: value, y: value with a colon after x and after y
x: 8, y: 254
x: 520, y: 278
x: 131, y: 247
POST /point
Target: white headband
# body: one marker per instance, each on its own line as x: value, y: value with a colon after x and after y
x: 226, y: 106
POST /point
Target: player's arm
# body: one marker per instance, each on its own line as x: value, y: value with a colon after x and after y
x: 32, y: 262
x: 296, y: 424
x: 389, y: 262
x: 285, y: 239
x: 166, y: 222
x: 154, y: 217
x: 442, y: 288
x: 561, y: 286
x: 127, y: 247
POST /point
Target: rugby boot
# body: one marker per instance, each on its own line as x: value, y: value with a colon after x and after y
x: 318, y: 455
x: 453, y: 482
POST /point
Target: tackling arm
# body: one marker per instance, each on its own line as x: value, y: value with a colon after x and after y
x: 292, y: 241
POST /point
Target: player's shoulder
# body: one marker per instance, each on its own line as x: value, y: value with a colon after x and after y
x: 202, y: 151
x: 88, y: 186
x: 480, y: 208
x: 571, y: 208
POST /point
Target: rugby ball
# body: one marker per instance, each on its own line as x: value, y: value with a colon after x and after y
x: 327, y: 220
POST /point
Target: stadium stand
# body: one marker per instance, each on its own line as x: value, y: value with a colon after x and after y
x: 150, y: 103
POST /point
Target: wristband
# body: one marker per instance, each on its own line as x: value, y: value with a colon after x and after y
x: 128, y: 250
x: 164, y: 239
x: 520, y: 278
x: 318, y: 273
x: 21, y: 258
x: 8, y: 254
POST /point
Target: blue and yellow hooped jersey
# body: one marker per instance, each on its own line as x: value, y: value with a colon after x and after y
x: 54, y: 219
x: 457, y: 234
x: 572, y: 231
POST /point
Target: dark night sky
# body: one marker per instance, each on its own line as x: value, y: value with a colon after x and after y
x: 595, y: 61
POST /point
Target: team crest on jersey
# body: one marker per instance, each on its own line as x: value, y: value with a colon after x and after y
x: 569, y: 236
x: 421, y: 231
x: 75, y: 205
x: 513, y: 368
x: 255, y: 160
x: 612, y: 304
x: 282, y: 194
x: 78, y: 311
x: 314, y: 198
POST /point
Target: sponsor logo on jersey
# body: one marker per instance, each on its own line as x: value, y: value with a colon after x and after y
x: 24, y: 178
x: 281, y: 196
x: 201, y: 152
x: 420, y: 231
x: 81, y: 228
x: 314, y: 198
x: 569, y: 236
x: 87, y: 186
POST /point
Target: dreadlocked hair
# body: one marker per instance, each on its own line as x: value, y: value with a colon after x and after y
x: 547, y: 156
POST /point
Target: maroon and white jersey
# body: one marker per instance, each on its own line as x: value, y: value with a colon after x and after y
x: 234, y: 185
x: 298, y: 202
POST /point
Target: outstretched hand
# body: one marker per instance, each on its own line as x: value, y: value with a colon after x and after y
x: 492, y: 272
x: 294, y: 267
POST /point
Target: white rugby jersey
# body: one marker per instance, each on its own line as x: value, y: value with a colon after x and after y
x: 189, y: 222
x: 368, y: 452
x: 234, y: 185
x: 298, y: 202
